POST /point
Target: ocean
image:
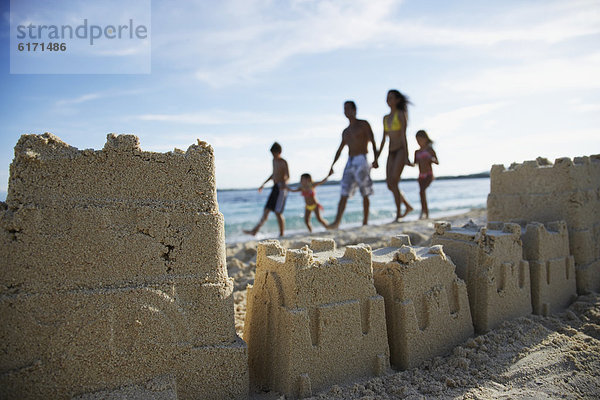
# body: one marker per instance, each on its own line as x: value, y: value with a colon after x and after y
x: 243, y: 208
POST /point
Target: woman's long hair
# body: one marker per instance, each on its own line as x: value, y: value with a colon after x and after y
x: 402, y: 101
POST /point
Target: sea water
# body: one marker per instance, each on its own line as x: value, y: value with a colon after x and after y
x: 243, y: 208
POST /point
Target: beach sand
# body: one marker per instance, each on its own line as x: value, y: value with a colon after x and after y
x: 530, y: 357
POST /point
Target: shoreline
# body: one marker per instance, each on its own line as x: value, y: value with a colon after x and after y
x: 346, y: 232
x: 480, y: 175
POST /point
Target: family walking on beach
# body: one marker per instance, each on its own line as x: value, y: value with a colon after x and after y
x: 357, y: 137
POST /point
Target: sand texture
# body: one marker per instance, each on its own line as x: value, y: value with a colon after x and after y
x: 554, y: 356
x: 314, y: 318
x: 553, y: 282
x: 427, y: 308
x: 113, y: 277
x: 566, y: 190
x: 490, y: 260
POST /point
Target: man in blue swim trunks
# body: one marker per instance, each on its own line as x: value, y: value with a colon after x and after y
x: 356, y: 136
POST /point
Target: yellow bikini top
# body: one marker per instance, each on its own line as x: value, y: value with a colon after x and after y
x: 396, y: 125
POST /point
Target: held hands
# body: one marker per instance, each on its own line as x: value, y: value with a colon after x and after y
x: 375, y: 163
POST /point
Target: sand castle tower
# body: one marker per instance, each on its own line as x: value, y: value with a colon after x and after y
x: 314, y: 318
x: 567, y: 190
x: 552, y: 268
x: 490, y: 260
x: 426, y: 304
x: 112, y: 275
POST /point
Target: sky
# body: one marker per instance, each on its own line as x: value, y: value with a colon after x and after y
x: 492, y: 82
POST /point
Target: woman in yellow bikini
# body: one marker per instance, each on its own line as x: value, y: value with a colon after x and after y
x: 307, y: 187
x: 394, y: 127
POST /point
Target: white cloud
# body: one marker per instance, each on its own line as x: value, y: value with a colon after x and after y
x: 78, y: 100
x: 311, y: 125
x: 212, y: 117
x: 332, y: 26
x: 255, y: 37
x: 249, y: 38
x: 579, y: 106
x: 551, y: 22
x: 581, y: 72
x: 121, y: 52
x: 87, y: 97
x: 585, y: 108
x: 451, y: 121
x: 218, y: 142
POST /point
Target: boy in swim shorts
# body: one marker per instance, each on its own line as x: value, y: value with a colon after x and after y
x: 278, y: 196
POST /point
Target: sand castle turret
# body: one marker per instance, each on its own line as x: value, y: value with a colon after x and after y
x: 314, y: 318
x: 112, y: 274
x: 490, y: 260
x: 567, y: 190
x: 552, y: 268
x: 426, y: 304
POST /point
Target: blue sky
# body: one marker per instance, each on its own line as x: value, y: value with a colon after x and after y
x: 491, y: 81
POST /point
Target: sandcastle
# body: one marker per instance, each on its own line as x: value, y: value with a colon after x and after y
x: 552, y: 268
x: 490, y: 260
x: 112, y: 274
x: 426, y: 304
x: 567, y: 190
x: 314, y: 318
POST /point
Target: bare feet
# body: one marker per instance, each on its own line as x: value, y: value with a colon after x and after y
x: 408, y: 209
x: 249, y: 232
x: 333, y: 226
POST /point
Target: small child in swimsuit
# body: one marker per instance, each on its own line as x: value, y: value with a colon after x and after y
x: 307, y: 189
x: 425, y: 157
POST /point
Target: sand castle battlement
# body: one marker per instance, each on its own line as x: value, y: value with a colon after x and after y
x: 567, y: 190
x: 427, y: 307
x: 112, y: 273
x: 541, y: 175
x: 490, y: 260
x: 47, y: 171
x: 314, y: 318
x: 301, y: 269
x: 552, y: 268
x: 118, y: 206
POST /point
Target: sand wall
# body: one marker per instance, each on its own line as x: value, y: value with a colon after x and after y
x: 426, y: 304
x: 567, y: 190
x: 490, y: 260
x: 552, y: 268
x: 112, y: 274
x: 314, y: 318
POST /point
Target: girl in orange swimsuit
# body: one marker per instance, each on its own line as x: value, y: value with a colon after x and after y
x: 425, y: 157
x: 307, y: 189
